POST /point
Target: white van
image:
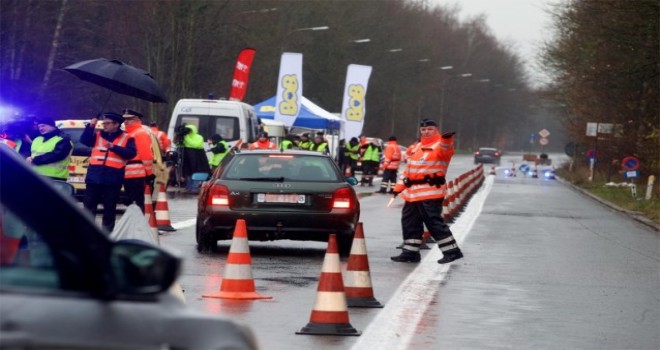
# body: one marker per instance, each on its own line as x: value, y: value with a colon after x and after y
x: 233, y: 120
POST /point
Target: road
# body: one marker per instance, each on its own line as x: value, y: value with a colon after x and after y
x: 545, y: 267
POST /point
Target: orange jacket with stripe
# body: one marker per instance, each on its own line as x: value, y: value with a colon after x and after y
x: 263, y: 145
x: 392, y: 156
x: 430, y: 157
x: 143, y: 163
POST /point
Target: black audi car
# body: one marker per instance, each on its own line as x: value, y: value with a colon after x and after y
x: 296, y: 195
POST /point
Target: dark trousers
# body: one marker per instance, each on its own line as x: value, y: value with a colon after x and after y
x: 134, y: 191
x: 106, y: 194
x: 417, y: 214
x: 352, y: 163
x: 369, y: 169
x: 389, y: 177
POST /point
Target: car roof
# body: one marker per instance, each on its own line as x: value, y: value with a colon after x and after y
x: 288, y: 151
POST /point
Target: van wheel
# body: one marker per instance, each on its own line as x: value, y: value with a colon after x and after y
x: 206, y: 242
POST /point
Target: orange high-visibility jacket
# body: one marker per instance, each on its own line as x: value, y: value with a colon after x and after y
x: 430, y: 157
x: 392, y: 156
x: 143, y: 163
x: 103, y: 156
x: 164, y: 142
x: 263, y: 145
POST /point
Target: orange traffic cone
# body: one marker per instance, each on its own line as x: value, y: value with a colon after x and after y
x: 237, y: 282
x: 330, y: 313
x: 347, y: 171
x: 149, y: 212
x: 359, y: 291
x: 162, y: 211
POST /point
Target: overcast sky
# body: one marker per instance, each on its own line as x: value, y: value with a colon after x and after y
x: 523, y: 24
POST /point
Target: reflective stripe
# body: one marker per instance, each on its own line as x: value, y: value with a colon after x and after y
x: 446, y: 240
x: 413, y: 241
x: 449, y: 247
x: 411, y: 248
x: 102, y: 156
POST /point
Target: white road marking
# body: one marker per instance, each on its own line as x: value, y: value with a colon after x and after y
x: 395, y: 325
x: 184, y: 224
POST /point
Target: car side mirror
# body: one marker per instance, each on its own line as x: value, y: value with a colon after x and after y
x: 142, y: 269
x: 352, y: 181
x: 63, y: 186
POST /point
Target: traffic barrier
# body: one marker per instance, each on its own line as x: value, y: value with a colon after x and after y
x: 149, y: 213
x: 358, y: 288
x: 162, y: 211
x: 237, y: 281
x: 330, y: 313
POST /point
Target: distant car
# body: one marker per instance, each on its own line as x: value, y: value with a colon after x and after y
x: 487, y: 155
x: 296, y: 195
x: 65, y: 285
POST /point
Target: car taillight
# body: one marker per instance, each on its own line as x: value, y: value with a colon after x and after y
x: 476, y: 153
x: 342, y: 198
x: 218, y: 196
x: 497, y: 154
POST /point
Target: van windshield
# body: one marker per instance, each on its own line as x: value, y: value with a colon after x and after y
x: 208, y: 125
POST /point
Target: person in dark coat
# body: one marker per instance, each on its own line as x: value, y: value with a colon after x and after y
x: 111, y: 150
x: 194, y: 156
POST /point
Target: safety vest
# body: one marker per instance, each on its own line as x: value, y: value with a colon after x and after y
x: 427, y: 160
x: 286, y: 144
x: 392, y: 156
x: 142, y: 165
x: 321, y: 147
x: 353, y: 151
x: 163, y: 141
x: 306, y: 145
x: 59, y: 169
x: 371, y: 153
x: 102, y: 156
x: 262, y: 145
x: 217, y: 158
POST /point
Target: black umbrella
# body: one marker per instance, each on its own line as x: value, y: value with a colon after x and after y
x: 119, y: 77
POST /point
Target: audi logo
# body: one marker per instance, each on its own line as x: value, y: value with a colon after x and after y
x: 282, y: 185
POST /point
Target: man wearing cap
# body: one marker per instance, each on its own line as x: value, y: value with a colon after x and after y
x: 220, y: 148
x: 422, y: 186
x: 139, y: 170
x: 111, y: 150
x: 51, y: 151
x: 390, y: 166
x: 263, y: 142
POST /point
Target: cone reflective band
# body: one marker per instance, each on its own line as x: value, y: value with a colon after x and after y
x: 358, y: 287
x: 237, y: 281
x: 330, y: 313
x: 162, y: 211
x: 149, y: 213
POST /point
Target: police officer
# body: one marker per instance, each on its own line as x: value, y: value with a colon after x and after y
x: 139, y: 170
x: 423, y: 188
x: 263, y: 142
x: 111, y: 149
x: 51, y: 151
x: 391, y: 161
x: 305, y: 143
x: 370, y: 162
x: 219, y: 148
x: 288, y: 142
x: 352, y: 154
x: 320, y: 144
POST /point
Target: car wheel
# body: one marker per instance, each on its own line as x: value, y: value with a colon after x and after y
x: 344, y: 243
x: 206, y: 243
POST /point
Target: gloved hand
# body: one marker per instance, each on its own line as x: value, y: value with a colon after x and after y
x: 448, y: 134
x: 395, y: 193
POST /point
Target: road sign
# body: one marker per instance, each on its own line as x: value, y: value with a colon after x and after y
x: 593, y: 153
x: 532, y: 137
x: 543, y: 141
x: 524, y: 168
x: 630, y: 163
x: 592, y: 129
x: 544, y: 133
x: 631, y: 174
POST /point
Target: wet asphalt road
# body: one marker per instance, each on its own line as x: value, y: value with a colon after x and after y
x: 545, y: 268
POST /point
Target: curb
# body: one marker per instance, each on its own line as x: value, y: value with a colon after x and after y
x: 632, y: 214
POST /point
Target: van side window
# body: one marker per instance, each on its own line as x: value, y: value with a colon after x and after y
x: 227, y: 127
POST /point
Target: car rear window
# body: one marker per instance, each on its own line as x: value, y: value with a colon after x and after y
x: 289, y: 166
x: 489, y: 151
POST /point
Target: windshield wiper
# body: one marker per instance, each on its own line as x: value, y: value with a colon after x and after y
x: 265, y: 179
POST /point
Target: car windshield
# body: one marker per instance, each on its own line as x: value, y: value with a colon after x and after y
x: 280, y: 167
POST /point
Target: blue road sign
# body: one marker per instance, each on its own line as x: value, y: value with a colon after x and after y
x: 630, y: 163
x: 524, y: 168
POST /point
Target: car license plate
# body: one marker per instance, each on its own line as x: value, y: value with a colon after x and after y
x: 280, y: 198
x: 76, y: 179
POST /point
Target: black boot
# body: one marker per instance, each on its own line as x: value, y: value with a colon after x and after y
x: 382, y: 190
x: 407, y: 256
x: 450, y: 255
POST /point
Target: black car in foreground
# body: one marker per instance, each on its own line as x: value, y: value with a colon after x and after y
x: 65, y: 285
x: 296, y: 195
x: 487, y: 155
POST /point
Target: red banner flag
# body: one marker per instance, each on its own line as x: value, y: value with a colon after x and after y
x: 241, y: 74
